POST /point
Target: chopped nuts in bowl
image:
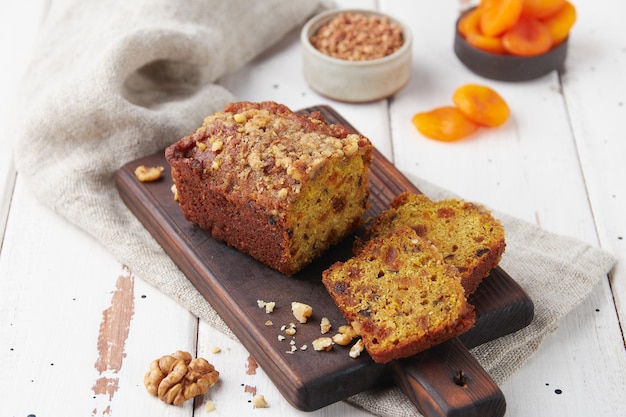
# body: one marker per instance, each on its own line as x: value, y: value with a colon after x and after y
x: 356, y: 55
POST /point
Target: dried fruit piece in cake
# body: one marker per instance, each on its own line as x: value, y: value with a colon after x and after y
x: 467, y: 235
x: 401, y: 293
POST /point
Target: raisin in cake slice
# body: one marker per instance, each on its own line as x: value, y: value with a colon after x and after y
x: 400, y: 294
x: 467, y: 235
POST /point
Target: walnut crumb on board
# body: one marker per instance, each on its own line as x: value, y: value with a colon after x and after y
x: 322, y: 344
x: 301, y: 311
x: 148, y: 174
x: 325, y: 325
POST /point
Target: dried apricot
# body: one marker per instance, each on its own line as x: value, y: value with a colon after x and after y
x: 541, y: 8
x: 528, y: 37
x: 470, y: 22
x: 560, y: 23
x: 445, y: 123
x: 499, y: 15
x: 469, y: 27
x: 481, y: 104
x: 491, y: 44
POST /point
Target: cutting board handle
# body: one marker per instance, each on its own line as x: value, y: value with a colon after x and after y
x: 447, y: 381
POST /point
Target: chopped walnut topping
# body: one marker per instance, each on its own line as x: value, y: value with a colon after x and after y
x: 322, y: 344
x: 177, y: 378
x: 240, y: 118
x: 218, y: 145
x: 282, y: 193
x: 350, y: 148
x: 358, y: 37
x: 301, y: 311
x: 250, y: 141
x: 356, y: 349
x: 148, y: 174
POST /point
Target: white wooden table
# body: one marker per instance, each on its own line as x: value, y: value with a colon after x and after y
x: 78, y: 330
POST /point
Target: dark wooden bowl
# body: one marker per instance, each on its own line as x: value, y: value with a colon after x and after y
x: 508, y: 67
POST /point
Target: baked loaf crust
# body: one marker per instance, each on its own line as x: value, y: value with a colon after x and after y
x: 400, y: 295
x: 466, y: 234
x: 277, y: 185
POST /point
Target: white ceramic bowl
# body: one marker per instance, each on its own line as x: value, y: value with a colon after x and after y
x: 355, y: 81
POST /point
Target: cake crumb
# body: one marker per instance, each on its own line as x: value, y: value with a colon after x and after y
x: 216, y: 349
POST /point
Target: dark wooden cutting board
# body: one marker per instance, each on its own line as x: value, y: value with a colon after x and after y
x: 445, y: 380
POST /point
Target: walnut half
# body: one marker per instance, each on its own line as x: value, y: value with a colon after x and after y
x: 177, y: 378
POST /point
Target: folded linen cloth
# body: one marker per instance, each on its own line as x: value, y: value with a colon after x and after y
x: 105, y: 91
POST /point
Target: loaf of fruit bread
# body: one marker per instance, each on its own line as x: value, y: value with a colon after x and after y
x: 277, y: 185
x: 466, y: 234
x: 400, y: 295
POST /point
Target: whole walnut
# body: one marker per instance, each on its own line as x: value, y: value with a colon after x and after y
x: 177, y: 378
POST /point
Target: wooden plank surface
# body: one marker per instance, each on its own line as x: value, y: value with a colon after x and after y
x: 233, y: 282
x: 557, y: 163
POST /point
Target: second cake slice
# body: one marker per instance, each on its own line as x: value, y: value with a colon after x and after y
x: 467, y: 235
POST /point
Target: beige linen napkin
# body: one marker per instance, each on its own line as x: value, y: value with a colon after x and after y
x: 112, y: 81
